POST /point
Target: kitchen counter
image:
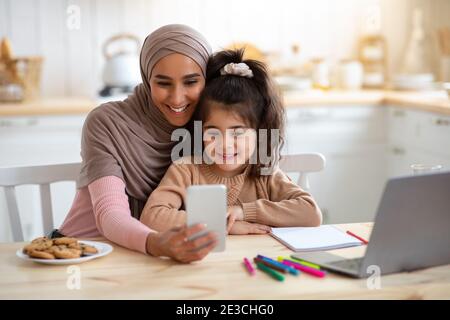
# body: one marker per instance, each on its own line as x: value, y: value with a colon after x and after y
x: 436, y: 101
x: 48, y: 106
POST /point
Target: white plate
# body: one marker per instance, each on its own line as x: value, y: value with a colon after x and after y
x: 102, y: 248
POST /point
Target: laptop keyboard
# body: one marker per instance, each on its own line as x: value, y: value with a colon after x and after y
x: 352, y: 264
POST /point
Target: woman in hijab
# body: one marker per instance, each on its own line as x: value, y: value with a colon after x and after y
x: 126, y: 149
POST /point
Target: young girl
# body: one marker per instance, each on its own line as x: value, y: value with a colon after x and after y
x: 239, y: 109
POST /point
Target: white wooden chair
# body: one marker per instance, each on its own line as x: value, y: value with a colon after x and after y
x: 43, y: 176
x: 302, y: 163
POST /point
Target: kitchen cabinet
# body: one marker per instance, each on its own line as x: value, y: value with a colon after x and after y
x: 354, y: 143
x: 364, y: 146
x: 40, y: 139
x: 34, y: 140
x: 417, y: 137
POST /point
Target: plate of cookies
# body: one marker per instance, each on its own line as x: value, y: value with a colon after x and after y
x: 63, y: 250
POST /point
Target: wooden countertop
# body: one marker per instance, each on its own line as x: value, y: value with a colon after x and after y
x: 49, y: 106
x: 436, y: 101
x: 125, y: 274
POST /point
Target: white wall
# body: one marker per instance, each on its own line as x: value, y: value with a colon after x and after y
x: 73, y: 60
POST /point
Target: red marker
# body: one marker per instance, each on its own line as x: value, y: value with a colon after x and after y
x: 357, y: 237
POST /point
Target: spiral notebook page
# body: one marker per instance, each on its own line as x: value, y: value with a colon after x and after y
x: 325, y: 237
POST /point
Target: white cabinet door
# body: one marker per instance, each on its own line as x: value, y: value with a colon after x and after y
x: 401, y: 157
x: 353, y: 141
x: 398, y: 163
x: 434, y: 133
x: 32, y: 141
x: 40, y: 140
x: 417, y: 137
x: 353, y: 182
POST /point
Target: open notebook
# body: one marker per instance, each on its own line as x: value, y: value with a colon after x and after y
x: 325, y: 237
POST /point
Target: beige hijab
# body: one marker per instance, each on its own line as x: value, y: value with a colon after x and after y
x: 131, y: 139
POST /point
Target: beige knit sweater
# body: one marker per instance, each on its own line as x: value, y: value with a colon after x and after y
x: 272, y: 200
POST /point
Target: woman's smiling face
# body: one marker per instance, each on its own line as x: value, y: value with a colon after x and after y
x: 176, y: 83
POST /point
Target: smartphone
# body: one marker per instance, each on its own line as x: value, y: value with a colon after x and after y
x: 207, y: 204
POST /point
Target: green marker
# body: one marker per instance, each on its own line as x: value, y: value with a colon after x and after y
x: 305, y: 263
x: 274, y: 274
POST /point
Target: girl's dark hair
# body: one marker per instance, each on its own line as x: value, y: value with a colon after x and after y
x: 255, y: 99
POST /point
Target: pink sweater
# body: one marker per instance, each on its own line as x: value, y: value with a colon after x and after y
x: 102, y: 209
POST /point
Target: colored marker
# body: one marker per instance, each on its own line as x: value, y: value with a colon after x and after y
x: 311, y: 271
x: 289, y: 269
x: 357, y: 237
x: 249, y: 267
x: 270, y: 265
x: 305, y: 263
x: 270, y: 272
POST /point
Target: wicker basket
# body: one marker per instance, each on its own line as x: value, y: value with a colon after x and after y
x: 23, y: 74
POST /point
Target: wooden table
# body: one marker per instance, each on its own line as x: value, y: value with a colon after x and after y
x: 125, y: 274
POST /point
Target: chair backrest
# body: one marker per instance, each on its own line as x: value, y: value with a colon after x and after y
x: 43, y: 176
x: 302, y: 163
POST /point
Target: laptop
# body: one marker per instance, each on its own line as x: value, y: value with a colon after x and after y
x: 411, y: 230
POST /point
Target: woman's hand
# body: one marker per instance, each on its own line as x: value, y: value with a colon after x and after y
x: 244, y: 227
x: 174, y: 243
x: 234, y: 214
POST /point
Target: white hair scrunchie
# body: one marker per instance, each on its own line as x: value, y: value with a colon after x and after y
x: 237, y: 69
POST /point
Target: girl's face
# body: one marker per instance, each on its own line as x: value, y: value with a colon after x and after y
x: 176, y: 83
x: 228, y: 139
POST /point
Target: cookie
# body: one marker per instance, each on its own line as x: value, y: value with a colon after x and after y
x: 39, y: 244
x: 75, y: 245
x: 53, y: 248
x: 62, y: 252
x: 64, y: 240
x: 88, y: 250
x: 60, y: 248
x: 41, y: 254
x: 40, y: 239
x: 29, y: 247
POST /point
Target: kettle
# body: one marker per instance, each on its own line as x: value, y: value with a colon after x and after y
x: 121, y: 71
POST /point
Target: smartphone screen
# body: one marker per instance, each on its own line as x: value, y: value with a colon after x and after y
x: 207, y: 204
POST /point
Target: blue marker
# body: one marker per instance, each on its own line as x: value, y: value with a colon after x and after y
x: 291, y: 270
